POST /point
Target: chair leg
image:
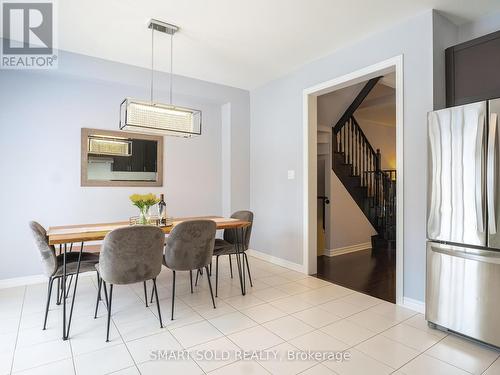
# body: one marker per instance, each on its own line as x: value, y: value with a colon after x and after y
x: 109, y: 310
x: 99, y: 286
x: 157, y: 302
x: 60, y: 293
x: 196, y: 281
x: 105, y: 292
x: 173, y: 295
x: 210, y: 273
x: 152, y: 294
x: 210, y: 286
x: 99, y: 295
x: 216, y: 274
x: 231, y: 266
x: 145, y: 294
x: 191, y: 280
x: 69, y: 286
x: 248, y: 269
x: 49, y: 292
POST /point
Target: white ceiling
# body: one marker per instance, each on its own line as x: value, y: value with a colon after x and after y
x: 241, y: 43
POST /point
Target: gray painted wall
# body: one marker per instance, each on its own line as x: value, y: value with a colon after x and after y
x: 444, y: 35
x: 276, y: 143
x: 40, y: 119
x: 485, y: 25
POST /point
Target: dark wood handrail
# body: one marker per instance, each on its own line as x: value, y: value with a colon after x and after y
x: 356, y: 103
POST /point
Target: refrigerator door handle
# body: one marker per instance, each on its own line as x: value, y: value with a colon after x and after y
x: 491, y: 257
x: 491, y: 173
x: 479, y: 189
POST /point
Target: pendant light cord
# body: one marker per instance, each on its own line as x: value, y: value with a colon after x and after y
x: 171, y: 64
x: 152, y: 59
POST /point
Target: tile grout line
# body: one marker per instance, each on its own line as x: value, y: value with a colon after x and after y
x: 72, y: 356
x: 158, y: 333
x: 264, y: 303
x: 412, y: 359
x: 492, y: 363
x: 422, y: 353
x: 116, y: 327
x: 125, y: 344
x: 451, y: 364
x: 379, y: 334
x: 18, y: 329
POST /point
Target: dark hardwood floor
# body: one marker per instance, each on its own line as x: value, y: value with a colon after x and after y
x: 372, y: 272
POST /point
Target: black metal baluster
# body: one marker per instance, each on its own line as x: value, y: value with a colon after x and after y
x: 342, y: 132
x: 348, y: 142
x: 357, y: 151
x: 352, y: 143
x: 354, y: 147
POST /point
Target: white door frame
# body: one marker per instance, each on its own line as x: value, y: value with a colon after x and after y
x: 310, y: 96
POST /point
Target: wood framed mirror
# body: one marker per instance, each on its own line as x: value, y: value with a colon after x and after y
x: 117, y: 158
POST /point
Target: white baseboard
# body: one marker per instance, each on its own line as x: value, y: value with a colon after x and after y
x: 414, y: 305
x: 22, y: 281
x: 347, y: 249
x: 275, y: 260
x: 30, y: 280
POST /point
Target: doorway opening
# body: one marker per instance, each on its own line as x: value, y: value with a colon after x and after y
x: 353, y: 234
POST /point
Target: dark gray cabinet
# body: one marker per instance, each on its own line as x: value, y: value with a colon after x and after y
x: 473, y: 70
x: 143, y: 158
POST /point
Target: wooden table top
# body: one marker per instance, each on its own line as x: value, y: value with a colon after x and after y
x: 96, y: 232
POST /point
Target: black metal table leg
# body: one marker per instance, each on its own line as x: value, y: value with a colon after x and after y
x: 58, y: 298
x: 64, y: 294
x: 63, y: 281
x: 74, y: 288
x: 242, y: 249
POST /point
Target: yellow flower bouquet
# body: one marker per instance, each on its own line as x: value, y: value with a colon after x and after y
x: 143, y: 202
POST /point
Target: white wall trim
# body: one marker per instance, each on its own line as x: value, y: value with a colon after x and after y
x: 414, y: 305
x: 22, y: 281
x: 275, y: 260
x: 226, y: 158
x: 347, y: 249
x: 30, y: 280
x: 309, y: 131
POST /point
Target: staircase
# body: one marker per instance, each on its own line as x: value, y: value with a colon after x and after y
x: 358, y: 167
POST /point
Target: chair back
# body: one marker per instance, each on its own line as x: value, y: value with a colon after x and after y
x: 190, y: 245
x: 131, y: 254
x: 48, y: 252
x: 229, y: 234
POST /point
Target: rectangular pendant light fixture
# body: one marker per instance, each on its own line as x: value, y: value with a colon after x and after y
x: 153, y: 117
x: 137, y: 115
x: 109, y: 146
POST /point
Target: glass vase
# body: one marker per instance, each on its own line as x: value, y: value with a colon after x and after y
x: 144, y: 216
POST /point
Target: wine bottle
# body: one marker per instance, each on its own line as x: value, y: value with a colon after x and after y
x: 162, y: 211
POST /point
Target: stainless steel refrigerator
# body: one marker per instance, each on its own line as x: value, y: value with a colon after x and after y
x: 463, y: 220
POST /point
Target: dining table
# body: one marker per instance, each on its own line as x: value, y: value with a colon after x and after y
x: 65, y: 236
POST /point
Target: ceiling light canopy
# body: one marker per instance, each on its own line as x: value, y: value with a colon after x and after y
x: 159, y: 118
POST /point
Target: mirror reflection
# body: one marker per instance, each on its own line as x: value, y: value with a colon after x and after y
x: 121, y: 157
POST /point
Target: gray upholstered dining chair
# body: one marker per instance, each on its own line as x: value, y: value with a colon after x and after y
x: 53, y: 264
x: 228, y: 245
x: 129, y: 255
x: 189, y: 247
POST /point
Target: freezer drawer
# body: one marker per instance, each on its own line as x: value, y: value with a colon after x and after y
x: 463, y: 291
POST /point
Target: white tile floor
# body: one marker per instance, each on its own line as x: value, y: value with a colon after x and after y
x: 284, y: 311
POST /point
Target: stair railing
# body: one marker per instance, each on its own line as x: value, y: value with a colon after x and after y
x: 349, y: 139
